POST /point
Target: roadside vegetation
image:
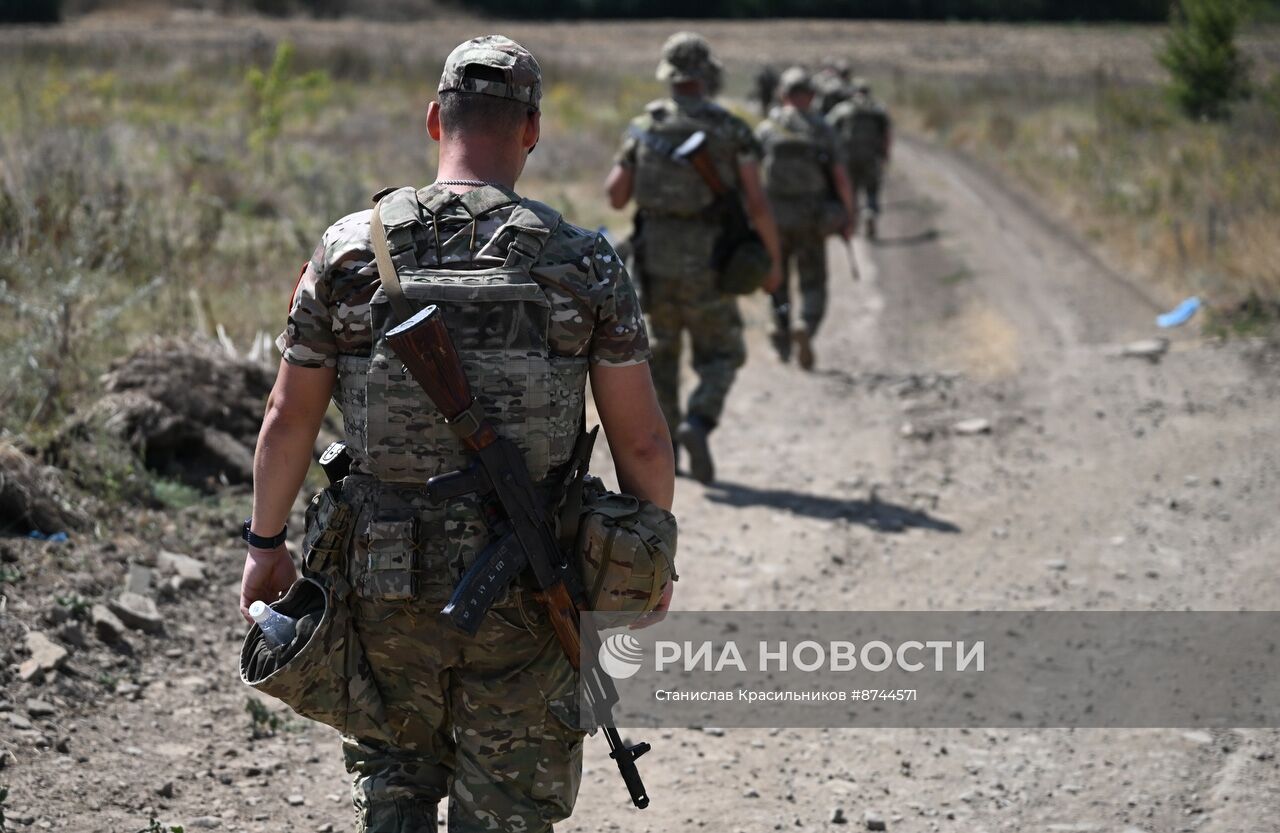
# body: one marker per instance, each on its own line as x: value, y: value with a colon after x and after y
x: 168, y: 196
x: 1178, y: 183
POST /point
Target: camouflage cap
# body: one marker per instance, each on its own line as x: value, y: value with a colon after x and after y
x: 522, y: 77
x: 795, y: 80
x: 687, y: 57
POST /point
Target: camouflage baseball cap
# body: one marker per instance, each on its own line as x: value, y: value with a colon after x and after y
x: 795, y: 80
x: 507, y: 70
x: 687, y: 57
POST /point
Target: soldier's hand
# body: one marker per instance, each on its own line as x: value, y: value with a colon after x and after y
x: 658, y: 613
x: 267, y: 575
x: 850, y: 228
x: 774, y: 282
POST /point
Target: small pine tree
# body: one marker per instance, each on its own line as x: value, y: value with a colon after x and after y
x: 1207, y: 70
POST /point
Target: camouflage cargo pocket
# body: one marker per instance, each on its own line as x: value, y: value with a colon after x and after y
x: 558, y: 773
x: 385, y: 568
x: 323, y: 674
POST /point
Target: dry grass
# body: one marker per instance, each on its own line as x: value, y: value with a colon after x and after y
x: 145, y: 189
x: 1190, y: 207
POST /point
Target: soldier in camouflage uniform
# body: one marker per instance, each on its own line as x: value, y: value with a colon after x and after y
x: 534, y: 304
x: 811, y: 198
x: 865, y: 132
x: 833, y: 84
x: 766, y: 88
x: 677, y: 228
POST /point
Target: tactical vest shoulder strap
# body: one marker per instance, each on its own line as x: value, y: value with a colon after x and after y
x: 382, y: 255
x: 530, y: 226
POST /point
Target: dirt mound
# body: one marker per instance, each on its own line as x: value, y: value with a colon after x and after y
x: 33, y: 497
x: 185, y: 411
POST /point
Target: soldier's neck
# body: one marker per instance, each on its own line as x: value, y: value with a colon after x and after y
x: 456, y: 163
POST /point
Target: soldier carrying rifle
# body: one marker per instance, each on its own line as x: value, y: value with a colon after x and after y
x: 683, y: 219
x: 456, y: 326
x: 811, y: 197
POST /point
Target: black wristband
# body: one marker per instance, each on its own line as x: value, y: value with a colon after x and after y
x: 259, y: 542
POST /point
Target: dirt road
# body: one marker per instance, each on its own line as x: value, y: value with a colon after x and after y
x: 1103, y: 482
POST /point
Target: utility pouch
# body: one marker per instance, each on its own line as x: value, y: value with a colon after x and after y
x: 388, y: 573
x: 322, y: 674
x: 626, y: 550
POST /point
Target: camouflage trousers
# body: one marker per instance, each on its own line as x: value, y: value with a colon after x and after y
x: 866, y: 176
x: 806, y: 248
x: 690, y: 302
x: 487, y: 721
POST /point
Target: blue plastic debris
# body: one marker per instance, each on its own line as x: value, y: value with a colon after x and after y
x: 55, y: 538
x: 1180, y: 314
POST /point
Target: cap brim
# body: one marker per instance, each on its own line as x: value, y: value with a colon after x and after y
x: 669, y: 72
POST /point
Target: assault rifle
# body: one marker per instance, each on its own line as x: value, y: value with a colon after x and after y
x: 736, y: 228
x: 525, y: 537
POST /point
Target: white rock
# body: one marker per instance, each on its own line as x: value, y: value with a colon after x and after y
x: 106, y: 624
x: 139, y: 580
x: 138, y: 612
x: 187, y: 571
x: 1150, y: 349
x: 46, y: 655
x: 969, y: 427
x: 873, y: 820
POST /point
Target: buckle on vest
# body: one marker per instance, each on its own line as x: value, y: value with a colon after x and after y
x: 468, y: 422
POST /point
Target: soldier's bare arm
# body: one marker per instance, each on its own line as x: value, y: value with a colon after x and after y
x: 294, y: 411
x: 761, y: 214
x: 636, y: 430
x: 844, y: 190
x: 618, y: 185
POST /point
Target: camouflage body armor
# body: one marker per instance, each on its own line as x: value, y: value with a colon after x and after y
x: 862, y: 125
x: 498, y: 318
x: 664, y: 185
x: 797, y: 160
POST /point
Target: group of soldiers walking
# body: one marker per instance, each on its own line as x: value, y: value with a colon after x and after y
x: 824, y: 141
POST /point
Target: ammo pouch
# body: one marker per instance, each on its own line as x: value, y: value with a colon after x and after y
x: 322, y: 674
x: 626, y: 550
x: 746, y: 268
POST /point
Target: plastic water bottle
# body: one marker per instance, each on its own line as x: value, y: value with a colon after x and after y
x: 277, y: 628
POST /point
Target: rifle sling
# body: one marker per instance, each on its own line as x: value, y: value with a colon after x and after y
x: 386, y: 266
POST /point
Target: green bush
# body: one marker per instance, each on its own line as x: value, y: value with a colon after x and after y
x: 1208, y: 72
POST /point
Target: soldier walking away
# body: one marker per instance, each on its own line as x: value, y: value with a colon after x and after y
x: 766, y: 88
x: 865, y: 132
x: 833, y: 84
x: 535, y: 305
x: 811, y: 198
x: 677, y: 226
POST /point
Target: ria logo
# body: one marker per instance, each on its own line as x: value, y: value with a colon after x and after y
x: 620, y: 656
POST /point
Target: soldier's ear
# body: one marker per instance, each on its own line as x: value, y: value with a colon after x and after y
x: 532, y: 131
x: 433, y: 120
